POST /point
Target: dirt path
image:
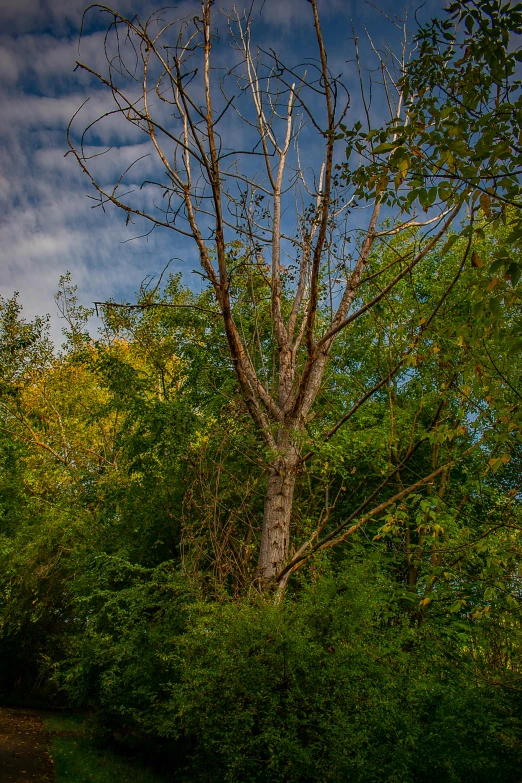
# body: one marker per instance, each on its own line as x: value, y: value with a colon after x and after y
x: 24, y: 743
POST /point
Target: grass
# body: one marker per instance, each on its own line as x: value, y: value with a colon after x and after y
x: 79, y: 760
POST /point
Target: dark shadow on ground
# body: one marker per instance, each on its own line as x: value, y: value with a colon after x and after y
x: 24, y: 747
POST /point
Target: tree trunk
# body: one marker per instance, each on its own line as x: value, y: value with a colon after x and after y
x: 279, y: 498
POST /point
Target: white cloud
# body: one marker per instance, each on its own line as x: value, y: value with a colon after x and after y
x: 46, y: 225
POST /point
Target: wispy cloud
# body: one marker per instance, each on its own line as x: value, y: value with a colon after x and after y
x: 47, y: 225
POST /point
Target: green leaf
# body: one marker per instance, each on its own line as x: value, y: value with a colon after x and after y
x: 449, y: 244
x: 494, y: 306
x: 478, y: 308
x: 456, y: 606
x: 386, y: 147
x: 496, y: 265
x: 515, y: 235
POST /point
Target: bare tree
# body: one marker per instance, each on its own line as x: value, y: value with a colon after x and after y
x: 245, y: 162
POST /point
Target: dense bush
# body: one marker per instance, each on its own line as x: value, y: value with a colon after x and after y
x: 334, y: 684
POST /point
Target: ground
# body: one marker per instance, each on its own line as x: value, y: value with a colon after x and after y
x: 24, y: 744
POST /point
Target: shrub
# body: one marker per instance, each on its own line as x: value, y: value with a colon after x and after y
x: 333, y: 684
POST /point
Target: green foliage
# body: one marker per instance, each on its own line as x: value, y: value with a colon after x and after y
x: 131, y: 495
x: 459, y: 140
x: 332, y: 684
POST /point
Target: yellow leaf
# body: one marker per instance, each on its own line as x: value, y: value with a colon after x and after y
x: 485, y: 204
x: 399, y: 179
x: 476, y: 261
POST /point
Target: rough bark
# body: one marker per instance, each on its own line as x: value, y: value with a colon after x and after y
x: 275, y: 535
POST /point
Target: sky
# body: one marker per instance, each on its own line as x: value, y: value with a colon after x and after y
x: 47, y: 223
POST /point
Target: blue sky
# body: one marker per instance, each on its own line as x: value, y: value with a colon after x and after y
x: 47, y: 226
